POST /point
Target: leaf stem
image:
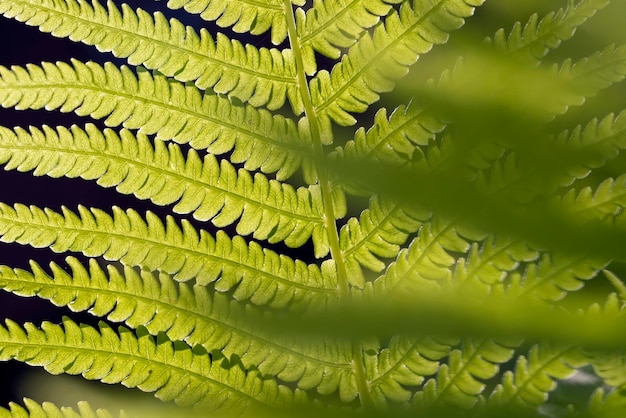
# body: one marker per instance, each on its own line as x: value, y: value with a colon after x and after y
x: 327, y: 199
x: 319, y: 159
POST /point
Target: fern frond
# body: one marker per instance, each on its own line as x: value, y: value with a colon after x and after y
x: 183, y: 313
x: 496, y: 258
x: 394, y: 139
x: 172, y: 370
x: 378, y: 233
x: 376, y: 59
x: 232, y: 263
x: 606, y: 201
x: 406, y: 362
x: 607, y: 403
x: 211, y: 190
x: 490, y: 261
x: 242, y: 15
x: 157, y: 105
x: 609, y: 365
x: 533, y: 41
x: 461, y: 381
x: 599, y: 141
x: 261, y: 77
x: 596, y: 72
x: 329, y: 26
x: 554, y: 276
x: 426, y: 262
x: 32, y: 409
x: 528, y: 386
x: 585, y: 149
x: 547, y: 276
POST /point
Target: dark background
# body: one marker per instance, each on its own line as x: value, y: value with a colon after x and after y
x: 21, y: 44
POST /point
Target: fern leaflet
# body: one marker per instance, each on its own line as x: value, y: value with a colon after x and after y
x: 233, y: 263
x: 155, y: 105
x: 261, y: 77
x: 75, y: 349
x: 209, y: 189
x: 183, y: 313
x: 537, y: 37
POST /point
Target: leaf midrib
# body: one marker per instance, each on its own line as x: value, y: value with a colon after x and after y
x: 189, y: 313
x: 159, y: 104
x: 365, y: 239
x: 164, y: 44
x: 358, y: 75
x: 170, y: 248
x: 130, y: 356
x: 542, y: 367
x: 397, y: 364
x: 179, y: 174
x: 306, y: 38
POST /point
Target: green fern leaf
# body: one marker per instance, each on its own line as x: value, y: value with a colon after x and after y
x: 211, y: 190
x: 197, y: 379
x: 261, y: 77
x: 534, y: 375
x: 365, y: 71
x: 609, y: 365
x: 507, y: 177
x: 329, y: 26
x: 490, y: 262
x: 612, y: 404
x: 32, y: 409
x: 406, y: 362
x: 232, y: 263
x: 599, y: 141
x: 183, y: 313
x: 537, y: 37
x: 243, y: 15
x: 461, y: 381
x: 155, y: 105
x: 596, y: 72
x: 425, y: 263
x: 553, y: 277
x: 393, y: 140
x: 378, y: 233
x: 604, y: 202
x: 457, y: 207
